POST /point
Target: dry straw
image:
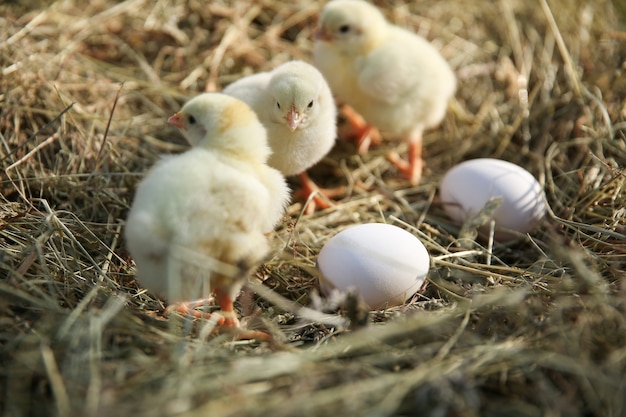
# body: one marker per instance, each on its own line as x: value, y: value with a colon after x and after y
x: 532, y: 328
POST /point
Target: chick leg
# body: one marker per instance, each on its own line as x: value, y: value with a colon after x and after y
x: 189, y: 308
x: 226, y: 318
x: 412, y: 169
x: 227, y: 309
x: 364, y: 134
x: 231, y: 322
x: 309, y: 187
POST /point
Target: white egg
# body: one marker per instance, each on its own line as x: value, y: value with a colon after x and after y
x: 468, y: 186
x: 385, y: 263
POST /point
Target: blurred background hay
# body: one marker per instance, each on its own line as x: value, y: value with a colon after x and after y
x: 532, y: 328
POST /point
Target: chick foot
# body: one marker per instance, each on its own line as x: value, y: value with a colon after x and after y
x: 363, y: 134
x: 189, y: 308
x: 231, y: 322
x: 411, y: 169
x: 309, y: 187
x: 226, y: 320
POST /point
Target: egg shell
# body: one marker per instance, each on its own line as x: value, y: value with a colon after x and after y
x: 385, y: 263
x: 468, y: 186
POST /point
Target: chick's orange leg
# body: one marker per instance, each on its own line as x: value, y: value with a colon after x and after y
x: 227, y: 309
x: 231, y: 322
x: 189, y: 308
x: 411, y: 169
x: 226, y: 318
x: 364, y: 134
x: 308, y: 187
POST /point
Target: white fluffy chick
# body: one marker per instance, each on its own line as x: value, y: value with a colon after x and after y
x: 396, y: 80
x: 198, y: 220
x: 297, y: 108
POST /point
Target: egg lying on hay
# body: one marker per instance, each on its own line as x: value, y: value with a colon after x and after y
x: 468, y: 186
x: 385, y: 263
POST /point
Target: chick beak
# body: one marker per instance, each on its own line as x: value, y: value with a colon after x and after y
x: 322, y: 35
x: 293, y: 119
x: 177, y: 120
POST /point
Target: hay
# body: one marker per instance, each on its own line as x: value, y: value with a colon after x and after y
x: 532, y: 328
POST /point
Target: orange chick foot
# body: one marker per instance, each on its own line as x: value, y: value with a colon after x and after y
x: 411, y: 170
x: 188, y: 308
x: 362, y: 133
x: 231, y: 323
x: 308, y: 188
x: 365, y: 137
x: 226, y: 321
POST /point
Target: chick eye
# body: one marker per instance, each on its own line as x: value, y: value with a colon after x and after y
x: 344, y: 28
x: 278, y: 105
x: 192, y: 120
x: 310, y: 106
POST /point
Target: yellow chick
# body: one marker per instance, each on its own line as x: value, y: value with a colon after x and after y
x: 198, y: 220
x: 297, y: 108
x: 393, y: 78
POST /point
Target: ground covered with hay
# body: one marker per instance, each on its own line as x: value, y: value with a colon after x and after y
x: 536, y: 327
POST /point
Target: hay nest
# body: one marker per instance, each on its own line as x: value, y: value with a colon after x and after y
x: 532, y: 328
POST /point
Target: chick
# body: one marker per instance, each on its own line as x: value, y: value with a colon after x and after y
x: 198, y: 220
x: 393, y: 78
x: 297, y: 108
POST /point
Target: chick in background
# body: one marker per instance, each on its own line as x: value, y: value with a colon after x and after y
x: 390, y: 78
x: 296, y: 106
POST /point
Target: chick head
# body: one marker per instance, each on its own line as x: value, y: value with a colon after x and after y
x: 215, y: 120
x: 354, y: 26
x: 296, y: 91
